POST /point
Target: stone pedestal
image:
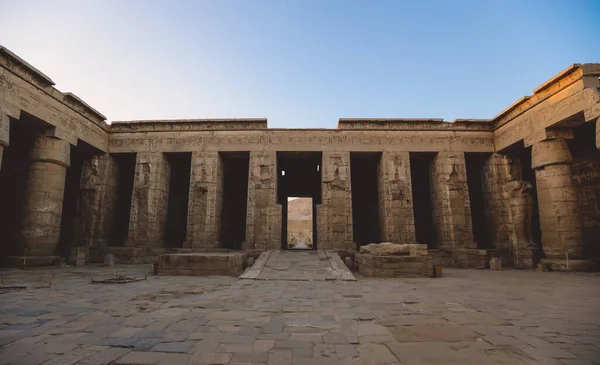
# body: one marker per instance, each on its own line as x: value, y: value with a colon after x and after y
x: 560, y: 212
x: 396, y: 211
x: 450, y: 202
x: 40, y: 224
x: 150, y: 200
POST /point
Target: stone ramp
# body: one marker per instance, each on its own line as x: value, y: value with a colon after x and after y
x: 299, y: 266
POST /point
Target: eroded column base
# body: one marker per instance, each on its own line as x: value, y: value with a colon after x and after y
x: 27, y: 261
x: 571, y: 265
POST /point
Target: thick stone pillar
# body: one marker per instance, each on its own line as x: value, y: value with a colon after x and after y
x: 396, y: 212
x: 98, y: 198
x: 39, y: 232
x: 559, y: 207
x: 4, y: 134
x: 451, y: 206
x: 334, y: 214
x: 150, y: 200
x: 264, y: 215
x: 204, y: 208
x: 508, y: 209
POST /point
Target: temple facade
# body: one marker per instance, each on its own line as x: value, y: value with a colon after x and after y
x: 524, y: 185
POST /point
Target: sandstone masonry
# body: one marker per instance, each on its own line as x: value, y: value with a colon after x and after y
x: 524, y: 186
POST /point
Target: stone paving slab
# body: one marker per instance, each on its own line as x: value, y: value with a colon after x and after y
x: 466, y: 317
x: 299, y: 265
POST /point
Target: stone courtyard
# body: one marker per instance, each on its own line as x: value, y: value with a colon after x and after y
x: 466, y: 317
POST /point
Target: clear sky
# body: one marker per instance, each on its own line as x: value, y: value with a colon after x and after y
x: 301, y: 64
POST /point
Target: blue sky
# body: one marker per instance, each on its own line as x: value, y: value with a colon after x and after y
x: 301, y: 64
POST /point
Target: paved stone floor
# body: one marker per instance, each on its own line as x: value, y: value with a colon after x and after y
x: 302, y: 265
x: 466, y: 317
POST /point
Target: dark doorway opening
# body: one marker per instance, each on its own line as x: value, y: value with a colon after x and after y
x: 298, y: 175
x: 364, y: 167
x: 528, y: 174
x: 70, y: 219
x: 481, y: 229
x: 235, y: 198
x: 179, y: 189
x: 420, y: 172
x: 125, y: 165
x: 13, y: 180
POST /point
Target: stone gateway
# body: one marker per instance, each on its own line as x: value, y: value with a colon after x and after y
x: 523, y: 186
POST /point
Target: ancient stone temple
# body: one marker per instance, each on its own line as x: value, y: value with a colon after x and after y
x: 524, y: 186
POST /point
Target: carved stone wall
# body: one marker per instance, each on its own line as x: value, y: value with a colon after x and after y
x: 396, y: 212
x: 264, y: 215
x: 334, y: 214
x: 40, y: 224
x: 204, y: 208
x: 98, y: 200
x: 560, y: 212
x: 450, y: 202
x: 150, y: 200
x: 509, y: 208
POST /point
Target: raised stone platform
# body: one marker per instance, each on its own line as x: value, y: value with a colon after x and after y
x: 395, y: 260
x: 201, y: 264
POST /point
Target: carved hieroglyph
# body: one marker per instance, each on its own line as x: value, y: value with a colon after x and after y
x: 42, y: 211
x: 334, y: 214
x: 450, y: 202
x: 204, y: 208
x: 263, y: 218
x: 395, y: 198
x: 150, y: 200
x: 560, y: 211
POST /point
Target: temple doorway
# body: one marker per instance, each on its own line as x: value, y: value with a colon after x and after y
x: 299, y: 223
x: 299, y: 192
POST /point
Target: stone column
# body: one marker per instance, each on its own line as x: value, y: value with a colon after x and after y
x: 99, y: 184
x: 559, y: 207
x: 204, y: 208
x: 264, y: 215
x: 4, y: 134
x: 509, y: 208
x: 39, y: 232
x: 150, y: 200
x: 334, y: 214
x: 451, y: 205
x: 396, y: 212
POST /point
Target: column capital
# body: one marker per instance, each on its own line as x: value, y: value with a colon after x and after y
x: 550, y: 152
x: 53, y: 150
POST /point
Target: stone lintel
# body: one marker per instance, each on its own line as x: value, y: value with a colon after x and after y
x: 548, y: 134
x: 39, y: 75
x: 73, y: 99
x: 188, y: 125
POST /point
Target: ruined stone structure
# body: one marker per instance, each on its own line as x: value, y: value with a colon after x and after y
x: 524, y: 185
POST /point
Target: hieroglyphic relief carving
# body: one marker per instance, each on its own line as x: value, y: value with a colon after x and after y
x: 395, y: 198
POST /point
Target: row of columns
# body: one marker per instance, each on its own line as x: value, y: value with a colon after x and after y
x: 560, y: 213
